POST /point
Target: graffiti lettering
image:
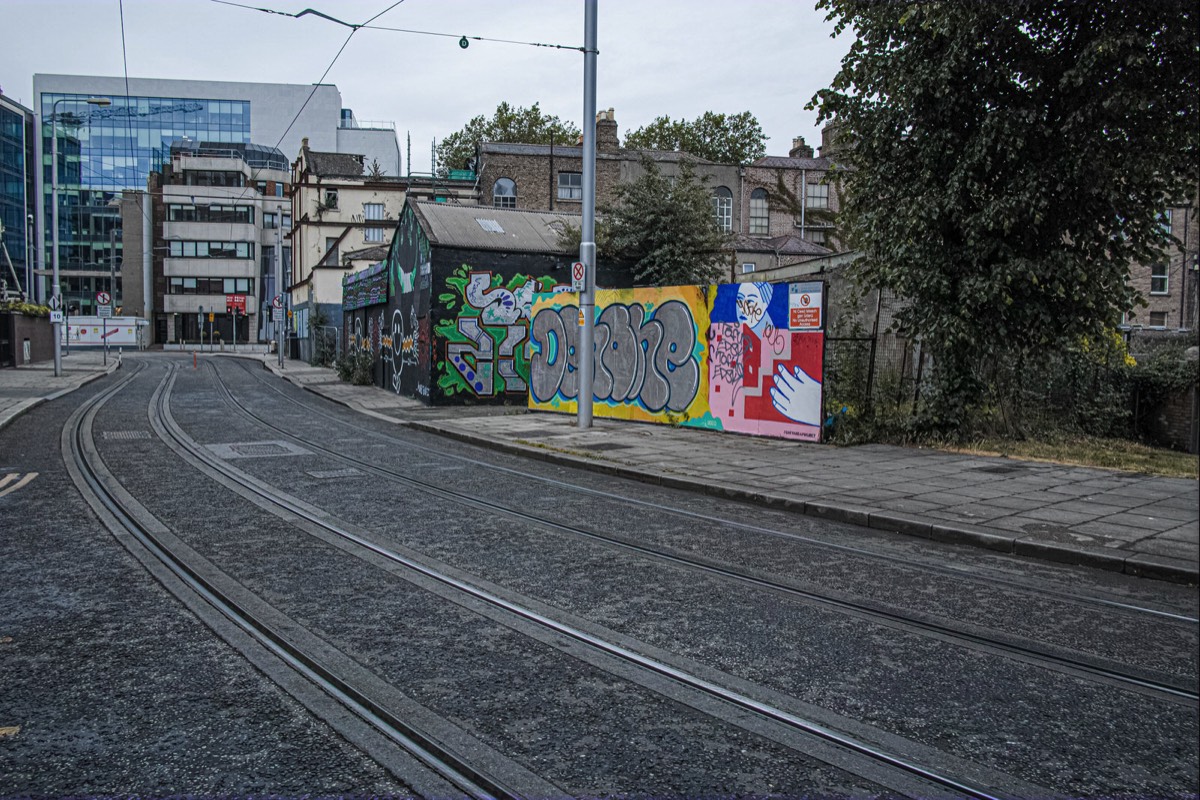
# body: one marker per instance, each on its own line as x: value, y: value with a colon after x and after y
x: 651, y: 361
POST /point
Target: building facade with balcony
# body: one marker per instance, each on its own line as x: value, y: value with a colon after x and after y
x: 104, y: 151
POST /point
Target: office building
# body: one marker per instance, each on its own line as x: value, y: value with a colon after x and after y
x: 105, y: 150
x: 16, y: 193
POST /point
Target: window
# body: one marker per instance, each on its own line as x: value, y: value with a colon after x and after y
x: 373, y: 212
x: 1158, y: 319
x: 270, y: 220
x: 195, y: 212
x: 723, y: 208
x: 331, y: 198
x: 331, y: 252
x: 758, y: 211
x: 817, y: 195
x: 816, y: 237
x: 287, y: 220
x: 1165, y: 221
x: 748, y: 267
x: 504, y: 194
x: 1158, y: 278
x: 212, y: 249
x: 211, y: 286
x: 570, y: 186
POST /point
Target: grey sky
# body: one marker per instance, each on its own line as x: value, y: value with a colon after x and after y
x: 673, y: 57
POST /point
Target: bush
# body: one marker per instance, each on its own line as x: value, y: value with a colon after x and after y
x: 357, y: 368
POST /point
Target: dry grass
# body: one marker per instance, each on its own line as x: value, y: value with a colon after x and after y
x: 1086, y: 451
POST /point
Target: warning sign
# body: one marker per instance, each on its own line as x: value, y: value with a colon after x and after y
x: 805, y: 303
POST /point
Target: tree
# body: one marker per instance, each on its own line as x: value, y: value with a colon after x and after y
x: 1006, y: 161
x: 664, y: 227
x: 732, y: 139
x: 508, y: 124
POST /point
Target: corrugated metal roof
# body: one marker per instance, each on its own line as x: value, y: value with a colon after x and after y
x: 489, y: 228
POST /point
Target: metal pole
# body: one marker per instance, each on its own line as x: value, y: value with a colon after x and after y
x: 29, y: 261
x: 587, y: 239
x: 278, y: 293
x: 54, y: 228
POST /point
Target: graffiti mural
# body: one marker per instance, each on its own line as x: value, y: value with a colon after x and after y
x: 486, y: 331
x: 739, y: 357
x: 649, y: 346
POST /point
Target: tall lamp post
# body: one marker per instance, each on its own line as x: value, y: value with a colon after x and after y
x: 94, y: 101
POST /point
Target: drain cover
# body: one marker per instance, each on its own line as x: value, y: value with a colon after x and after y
x: 125, y: 436
x: 257, y: 450
x: 350, y: 472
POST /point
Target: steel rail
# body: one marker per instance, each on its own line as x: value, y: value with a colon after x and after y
x: 474, y: 783
x: 960, y: 574
x: 1040, y: 656
x: 286, y: 508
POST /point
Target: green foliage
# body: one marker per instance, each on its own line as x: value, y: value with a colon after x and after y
x: 508, y: 124
x: 28, y: 309
x: 664, y: 228
x: 357, y: 367
x: 726, y: 139
x: 1006, y: 161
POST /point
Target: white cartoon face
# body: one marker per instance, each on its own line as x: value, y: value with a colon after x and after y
x: 752, y: 302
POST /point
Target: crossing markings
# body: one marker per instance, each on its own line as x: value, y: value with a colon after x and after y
x: 13, y: 481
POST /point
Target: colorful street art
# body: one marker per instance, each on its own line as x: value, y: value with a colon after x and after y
x: 485, y: 326
x: 736, y: 357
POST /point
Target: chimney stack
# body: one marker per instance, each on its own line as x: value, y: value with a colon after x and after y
x: 606, y: 132
x: 800, y: 149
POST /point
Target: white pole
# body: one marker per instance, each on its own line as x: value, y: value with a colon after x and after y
x: 587, y: 243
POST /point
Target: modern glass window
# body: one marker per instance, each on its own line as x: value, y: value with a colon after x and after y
x: 722, y: 201
x: 1158, y: 278
x: 212, y: 177
x: 270, y: 220
x: 211, y: 286
x: 570, y: 186
x: 758, y: 212
x: 817, y: 195
x: 185, y: 212
x: 287, y: 221
x: 373, y: 212
x: 504, y: 194
x: 212, y: 249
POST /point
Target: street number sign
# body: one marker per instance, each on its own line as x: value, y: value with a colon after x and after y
x: 56, y: 316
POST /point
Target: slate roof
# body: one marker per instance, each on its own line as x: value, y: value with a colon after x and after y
x: 489, y: 228
x: 787, y: 245
x: 328, y: 165
x: 374, y: 253
x: 787, y: 162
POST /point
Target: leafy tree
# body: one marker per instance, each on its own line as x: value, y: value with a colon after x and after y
x: 508, y: 124
x: 726, y: 139
x: 664, y: 227
x: 1006, y: 161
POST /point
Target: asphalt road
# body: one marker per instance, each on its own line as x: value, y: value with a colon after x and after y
x: 949, y: 657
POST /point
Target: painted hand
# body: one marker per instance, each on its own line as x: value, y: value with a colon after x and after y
x: 797, y: 396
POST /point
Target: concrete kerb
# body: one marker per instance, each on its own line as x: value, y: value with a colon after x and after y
x: 24, y: 406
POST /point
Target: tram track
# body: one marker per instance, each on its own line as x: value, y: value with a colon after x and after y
x: 820, y: 736
x: 1093, y: 669
x: 221, y: 602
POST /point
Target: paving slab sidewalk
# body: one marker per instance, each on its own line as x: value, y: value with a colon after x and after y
x: 1119, y: 521
x: 30, y: 385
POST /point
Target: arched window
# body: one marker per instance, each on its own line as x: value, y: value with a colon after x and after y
x: 722, y: 200
x: 758, y: 211
x: 504, y: 194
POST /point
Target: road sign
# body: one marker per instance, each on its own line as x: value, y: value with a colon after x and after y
x: 276, y: 315
x: 56, y: 316
x: 104, y: 312
x: 578, y: 276
x: 278, y: 301
x: 103, y: 298
x: 804, y: 306
x: 211, y: 314
x: 56, y: 303
x: 235, y: 304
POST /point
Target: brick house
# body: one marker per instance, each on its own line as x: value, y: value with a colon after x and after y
x: 1169, y: 283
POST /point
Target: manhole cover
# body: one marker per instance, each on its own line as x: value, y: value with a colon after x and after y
x: 257, y: 450
x: 335, y: 473
x: 125, y: 436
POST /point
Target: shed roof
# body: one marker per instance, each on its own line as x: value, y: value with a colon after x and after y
x: 489, y: 228
x: 333, y: 164
x: 788, y: 245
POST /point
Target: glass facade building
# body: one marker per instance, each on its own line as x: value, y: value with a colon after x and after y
x: 16, y: 188
x: 103, y: 151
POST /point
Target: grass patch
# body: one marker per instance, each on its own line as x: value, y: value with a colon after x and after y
x: 1090, y: 451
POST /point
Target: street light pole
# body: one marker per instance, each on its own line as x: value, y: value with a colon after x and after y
x: 95, y: 101
x: 587, y: 243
